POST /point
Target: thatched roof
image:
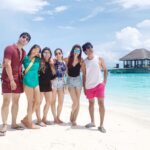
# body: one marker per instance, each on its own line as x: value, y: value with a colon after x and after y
x: 137, y: 54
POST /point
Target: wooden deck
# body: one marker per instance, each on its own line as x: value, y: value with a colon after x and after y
x: 130, y: 70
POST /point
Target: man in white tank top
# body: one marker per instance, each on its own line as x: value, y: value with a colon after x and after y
x: 94, y: 81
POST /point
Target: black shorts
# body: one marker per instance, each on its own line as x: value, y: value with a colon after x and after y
x: 45, y: 86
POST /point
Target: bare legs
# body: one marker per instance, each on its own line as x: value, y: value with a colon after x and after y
x: 33, y: 98
x: 48, y: 98
x: 5, y: 109
x: 75, y: 96
x: 56, y: 114
x: 101, y: 113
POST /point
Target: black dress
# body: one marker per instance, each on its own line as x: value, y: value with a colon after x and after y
x: 45, y: 79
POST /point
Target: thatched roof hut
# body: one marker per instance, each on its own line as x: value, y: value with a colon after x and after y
x: 137, y: 58
x: 137, y: 54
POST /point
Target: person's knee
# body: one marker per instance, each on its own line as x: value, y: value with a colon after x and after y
x: 101, y: 103
x: 48, y: 103
x: 6, y: 103
x: 91, y: 103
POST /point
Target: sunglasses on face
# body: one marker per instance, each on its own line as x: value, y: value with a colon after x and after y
x: 77, y: 51
x: 25, y: 37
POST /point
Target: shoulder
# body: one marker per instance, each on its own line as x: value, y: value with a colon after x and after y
x: 101, y: 59
x: 66, y: 60
x: 9, y: 48
x: 81, y: 61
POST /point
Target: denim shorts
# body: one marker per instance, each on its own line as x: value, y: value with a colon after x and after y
x: 58, y: 83
x: 74, y: 81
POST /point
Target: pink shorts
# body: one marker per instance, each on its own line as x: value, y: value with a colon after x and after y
x: 97, y: 91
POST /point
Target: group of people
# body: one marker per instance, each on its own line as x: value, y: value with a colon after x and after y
x: 47, y: 77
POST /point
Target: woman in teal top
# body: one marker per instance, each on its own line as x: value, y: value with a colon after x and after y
x: 31, y: 84
x: 31, y: 78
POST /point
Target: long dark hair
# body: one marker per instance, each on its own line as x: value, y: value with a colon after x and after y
x: 33, y: 47
x: 42, y: 65
x: 71, y: 56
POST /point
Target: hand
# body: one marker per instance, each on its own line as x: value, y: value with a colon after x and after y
x: 51, y: 61
x: 13, y: 85
x: 38, y: 55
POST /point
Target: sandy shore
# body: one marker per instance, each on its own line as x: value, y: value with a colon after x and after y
x: 124, y: 132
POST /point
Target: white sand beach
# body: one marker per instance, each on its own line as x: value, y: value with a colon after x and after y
x: 124, y: 132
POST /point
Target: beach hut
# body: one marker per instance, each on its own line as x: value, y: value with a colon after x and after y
x: 137, y: 61
x: 139, y: 58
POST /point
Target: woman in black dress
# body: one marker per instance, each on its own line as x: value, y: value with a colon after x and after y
x: 46, y: 74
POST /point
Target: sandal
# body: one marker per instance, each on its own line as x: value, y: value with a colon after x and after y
x: 2, y: 133
x: 90, y: 125
x: 102, y: 129
x: 42, y: 124
x: 17, y: 127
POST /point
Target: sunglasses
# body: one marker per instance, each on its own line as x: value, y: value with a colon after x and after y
x: 25, y: 37
x: 77, y: 51
x: 58, y: 53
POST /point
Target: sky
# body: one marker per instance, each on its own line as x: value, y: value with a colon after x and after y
x: 114, y: 27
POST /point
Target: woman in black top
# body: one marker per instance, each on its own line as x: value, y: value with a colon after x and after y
x: 46, y: 74
x: 74, y: 82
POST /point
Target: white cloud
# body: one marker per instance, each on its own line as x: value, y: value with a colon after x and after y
x: 129, y: 38
x: 66, y: 27
x: 26, y: 6
x: 58, y: 9
x: 144, y: 24
x: 38, y: 18
x: 125, y: 40
x: 94, y: 13
x: 133, y: 3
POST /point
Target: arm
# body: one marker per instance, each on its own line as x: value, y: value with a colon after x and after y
x: 83, y: 69
x: 52, y: 66
x: 66, y: 60
x: 103, y: 66
x: 7, y: 64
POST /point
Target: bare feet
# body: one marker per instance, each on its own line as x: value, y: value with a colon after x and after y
x: 34, y: 126
x: 29, y: 125
x: 58, y: 121
x: 26, y: 123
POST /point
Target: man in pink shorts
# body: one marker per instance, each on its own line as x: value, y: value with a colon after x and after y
x: 94, y: 81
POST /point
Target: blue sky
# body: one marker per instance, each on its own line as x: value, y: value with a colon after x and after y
x: 115, y: 27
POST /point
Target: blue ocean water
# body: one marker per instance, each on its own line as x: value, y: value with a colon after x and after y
x: 130, y: 90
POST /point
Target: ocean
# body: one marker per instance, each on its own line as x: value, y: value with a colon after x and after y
x: 130, y: 91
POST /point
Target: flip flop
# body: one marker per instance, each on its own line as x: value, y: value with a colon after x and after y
x: 42, y: 124
x: 2, y: 133
x: 102, y: 129
x: 90, y: 125
x: 18, y: 128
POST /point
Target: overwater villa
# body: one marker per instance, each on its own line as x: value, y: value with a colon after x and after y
x: 137, y: 61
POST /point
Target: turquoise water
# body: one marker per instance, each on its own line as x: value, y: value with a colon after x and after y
x: 130, y: 90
